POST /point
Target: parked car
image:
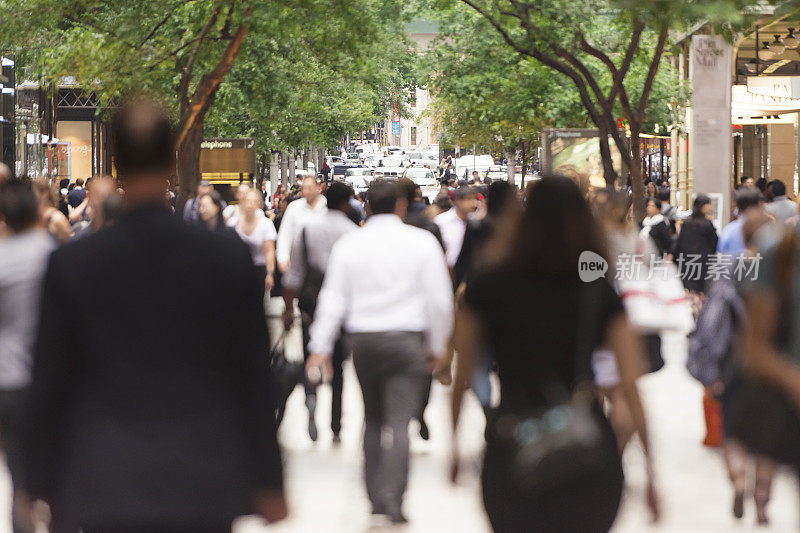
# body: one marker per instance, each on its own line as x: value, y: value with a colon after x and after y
x: 358, y: 179
x: 338, y: 171
x: 391, y: 167
x: 362, y: 171
x: 426, y: 179
x: 371, y: 160
x: 423, y: 159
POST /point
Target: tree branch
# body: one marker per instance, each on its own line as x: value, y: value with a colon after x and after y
x: 156, y: 28
x: 210, y: 82
x: 183, y: 86
x: 651, y: 74
x: 225, y: 33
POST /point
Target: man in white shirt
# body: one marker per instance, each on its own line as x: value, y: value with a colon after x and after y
x: 305, y: 276
x: 453, y: 223
x: 297, y: 215
x: 388, y: 286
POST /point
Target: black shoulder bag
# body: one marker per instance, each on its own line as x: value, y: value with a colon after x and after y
x: 563, y: 442
x: 312, y: 284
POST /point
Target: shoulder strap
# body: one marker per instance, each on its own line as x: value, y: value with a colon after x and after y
x: 305, y: 249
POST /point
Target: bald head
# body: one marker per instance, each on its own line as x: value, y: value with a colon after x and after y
x: 5, y: 173
x: 143, y: 141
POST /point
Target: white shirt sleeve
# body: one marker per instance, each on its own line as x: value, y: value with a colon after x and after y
x: 438, y: 289
x: 268, y: 229
x: 332, y: 304
x: 283, y: 245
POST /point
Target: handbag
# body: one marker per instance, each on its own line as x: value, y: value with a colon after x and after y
x: 655, y: 301
x: 563, y: 442
x: 286, y: 375
x: 311, y: 286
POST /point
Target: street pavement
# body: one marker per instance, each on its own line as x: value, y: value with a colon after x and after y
x: 326, y: 493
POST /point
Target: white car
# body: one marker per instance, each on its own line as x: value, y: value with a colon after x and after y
x: 423, y: 159
x: 371, y: 160
x: 365, y: 173
x: 358, y: 179
x: 391, y: 167
x: 426, y: 179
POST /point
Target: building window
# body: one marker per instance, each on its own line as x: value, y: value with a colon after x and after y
x: 414, y: 135
x: 412, y: 97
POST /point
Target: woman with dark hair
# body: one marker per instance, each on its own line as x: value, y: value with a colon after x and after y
x: 696, y: 241
x: 211, y: 206
x: 542, y: 323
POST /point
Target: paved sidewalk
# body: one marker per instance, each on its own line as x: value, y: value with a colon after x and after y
x: 326, y: 492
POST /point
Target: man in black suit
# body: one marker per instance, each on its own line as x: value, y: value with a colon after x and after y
x: 151, y: 408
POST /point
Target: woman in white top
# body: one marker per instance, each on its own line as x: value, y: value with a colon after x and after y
x: 258, y: 232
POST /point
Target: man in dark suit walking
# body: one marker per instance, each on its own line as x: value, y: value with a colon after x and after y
x: 150, y: 407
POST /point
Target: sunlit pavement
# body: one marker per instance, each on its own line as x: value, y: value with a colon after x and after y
x: 326, y: 492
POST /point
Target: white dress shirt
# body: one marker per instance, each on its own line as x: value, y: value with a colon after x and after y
x: 321, y: 234
x: 297, y: 215
x: 387, y: 276
x: 453, y: 230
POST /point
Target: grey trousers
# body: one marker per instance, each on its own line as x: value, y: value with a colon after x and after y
x: 392, y: 369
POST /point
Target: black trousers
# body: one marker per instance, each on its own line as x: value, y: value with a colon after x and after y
x: 11, y: 407
x: 337, y: 382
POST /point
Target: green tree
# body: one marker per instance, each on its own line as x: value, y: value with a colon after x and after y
x: 283, y: 56
x: 596, y: 40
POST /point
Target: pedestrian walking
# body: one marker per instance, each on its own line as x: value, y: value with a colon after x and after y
x: 191, y: 210
x: 24, y: 254
x: 713, y: 361
x: 52, y: 219
x: 395, y: 303
x: 453, y: 223
x: 150, y: 410
x: 308, y: 264
x: 542, y: 323
x: 781, y: 208
x: 731, y: 238
x: 103, y: 206
x: 297, y: 214
x: 696, y: 242
x: 77, y: 195
x: 656, y: 227
x: 210, y: 207
x: 258, y: 233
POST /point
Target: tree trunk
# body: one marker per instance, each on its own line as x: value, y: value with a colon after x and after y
x: 274, y: 176
x: 637, y: 184
x: 292, y: 168
x: 524, y: 168
x: 609, y: 173
x: 189, y: 163
x: 305, y: 158
x: 284, y: 169
x: 511, y: 162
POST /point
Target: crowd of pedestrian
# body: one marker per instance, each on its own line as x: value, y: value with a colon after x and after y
x: 145, y: 398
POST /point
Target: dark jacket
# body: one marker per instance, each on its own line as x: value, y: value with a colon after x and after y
x: 416, y: 217
x: 150, y: 401
x: 696, y: 241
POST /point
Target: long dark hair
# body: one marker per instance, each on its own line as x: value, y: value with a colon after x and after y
x: 220, y: 227
x: 556, y: 227
x: 700, y: 201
